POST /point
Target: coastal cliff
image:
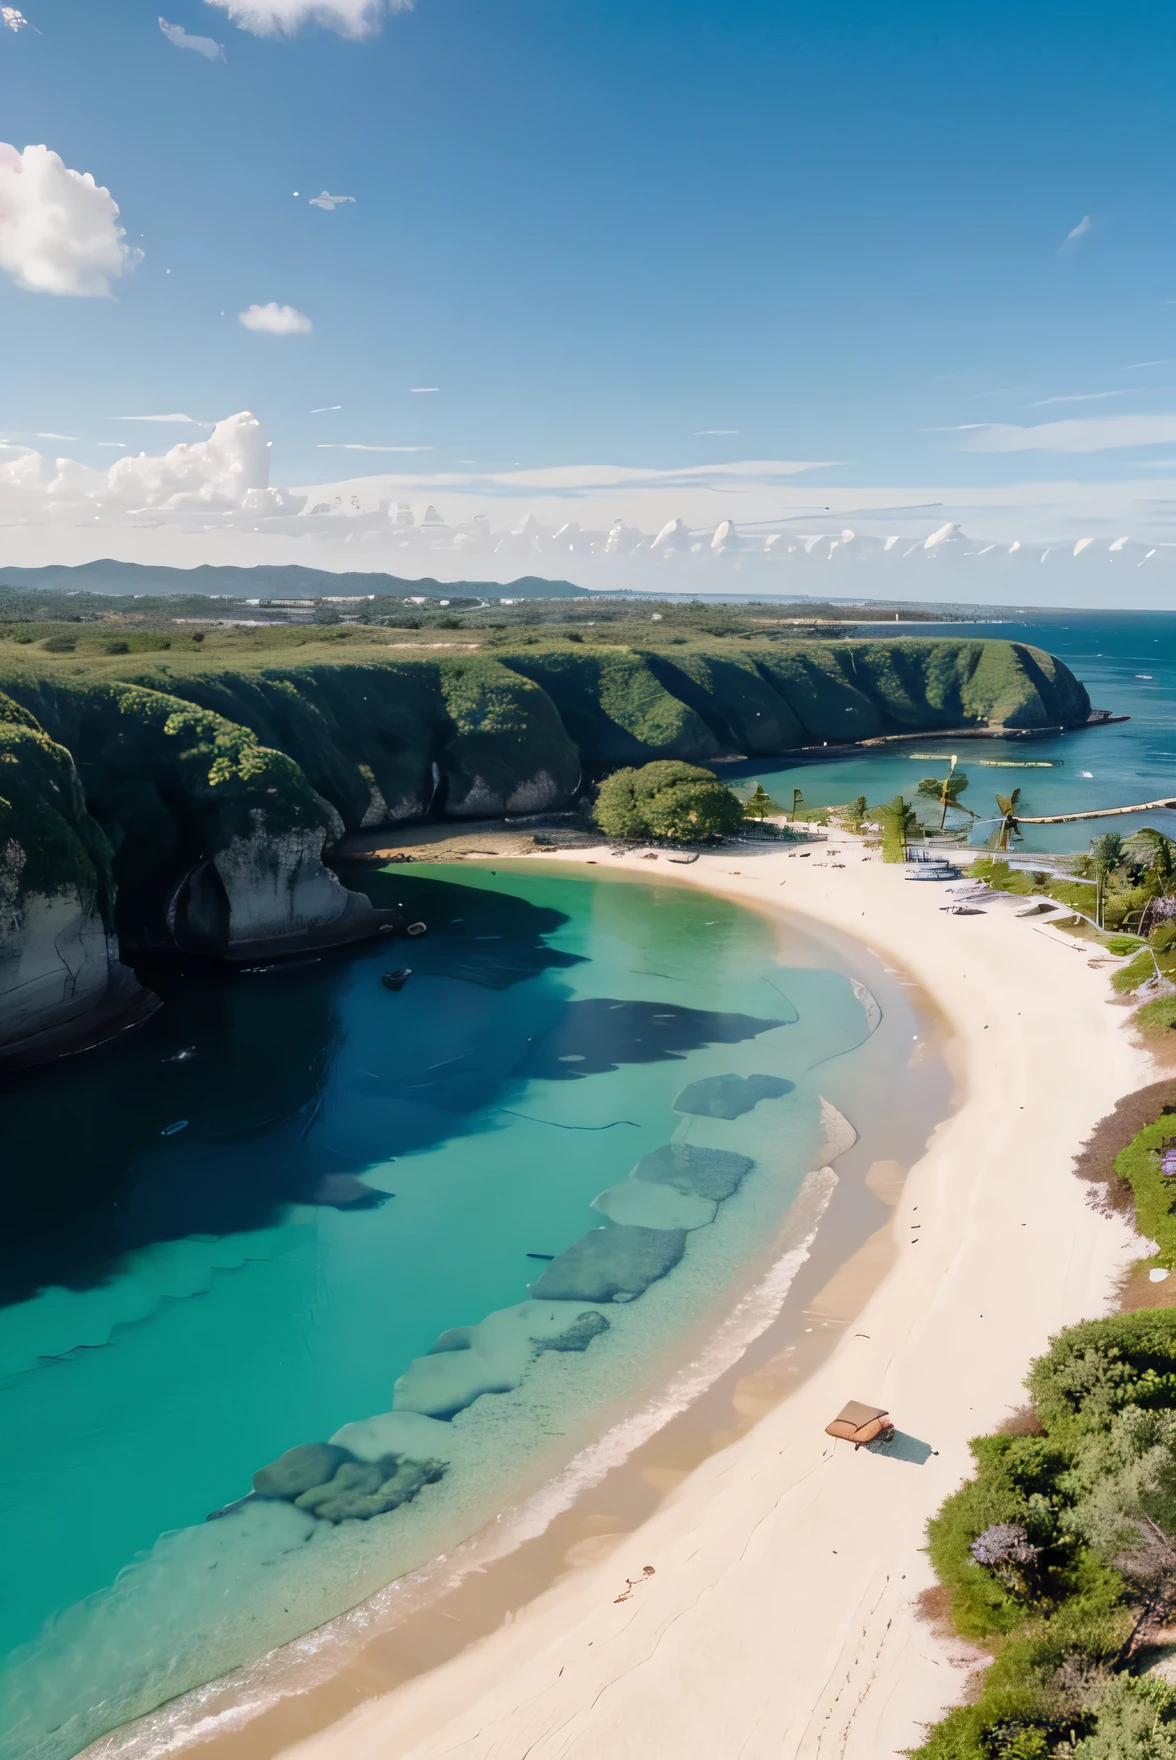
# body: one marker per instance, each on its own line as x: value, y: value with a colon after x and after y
x: 56, y: 886
x: 185, y: 805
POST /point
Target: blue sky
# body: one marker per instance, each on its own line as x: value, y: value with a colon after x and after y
x: 605, y: 232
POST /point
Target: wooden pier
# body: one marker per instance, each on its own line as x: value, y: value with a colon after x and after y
x: 1098, y: 813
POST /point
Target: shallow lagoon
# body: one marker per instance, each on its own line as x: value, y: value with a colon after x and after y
x: 219, y: 1295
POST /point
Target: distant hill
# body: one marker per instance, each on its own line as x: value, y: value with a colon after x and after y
x: 270, y: 582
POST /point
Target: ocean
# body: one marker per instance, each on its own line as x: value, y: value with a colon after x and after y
x: 297, y: 1206
x: 1127, y: 660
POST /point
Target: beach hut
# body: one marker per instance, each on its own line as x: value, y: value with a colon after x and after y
x: 859, y: 1424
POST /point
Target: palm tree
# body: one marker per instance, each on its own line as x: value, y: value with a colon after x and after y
x: 898, y: 822
x: 1009, y: 828
x: 1107, y: 853
x: 947, y: 792
x: 1158, y: 852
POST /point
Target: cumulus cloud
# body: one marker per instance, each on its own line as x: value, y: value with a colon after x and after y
x: 1083, y: 227
x: 175, y: 33
x: 282, y: 18
x: 276, y: 320
x: 59, y: 230
x: 12, y: 19
x: 1084, y: 434
x: 228, y: 472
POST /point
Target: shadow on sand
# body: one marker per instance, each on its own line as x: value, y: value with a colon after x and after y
x: 902, y: 1447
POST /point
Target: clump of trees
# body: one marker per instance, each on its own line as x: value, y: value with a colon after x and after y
x: 667, y: 800
x: 1060, y: 1555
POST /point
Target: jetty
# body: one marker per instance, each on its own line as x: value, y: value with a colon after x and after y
x: 1097, y: 813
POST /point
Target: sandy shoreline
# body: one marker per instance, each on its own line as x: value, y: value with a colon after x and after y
x: 779, y: 1619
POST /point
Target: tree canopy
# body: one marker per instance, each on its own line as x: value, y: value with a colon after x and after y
x: 681, y: 803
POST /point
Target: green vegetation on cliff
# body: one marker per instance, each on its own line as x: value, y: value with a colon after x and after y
x: 49, y: 843
x: 191, y: 739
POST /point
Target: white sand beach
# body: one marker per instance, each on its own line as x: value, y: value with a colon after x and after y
x: 779, y: 1620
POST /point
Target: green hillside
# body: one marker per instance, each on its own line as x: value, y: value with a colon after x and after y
x: 184, y: 744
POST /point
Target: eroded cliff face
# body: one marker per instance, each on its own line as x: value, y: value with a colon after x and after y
x: 58, y: 962
x: 55, y: 964
x: 277, y: 888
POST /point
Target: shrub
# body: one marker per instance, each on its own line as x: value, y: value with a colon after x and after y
x: 898, y: 823
x: 679, y: 802
x: 1060, y: 1545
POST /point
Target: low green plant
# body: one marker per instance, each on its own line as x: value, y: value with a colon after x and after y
x: 1130, y: 977
x: 1123, y: 944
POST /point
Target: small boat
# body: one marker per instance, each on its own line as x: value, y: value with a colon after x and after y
x: 396, y: 980
x: 691, y: 857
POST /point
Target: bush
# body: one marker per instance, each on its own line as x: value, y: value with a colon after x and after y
x: 679, y: 802
x: 1060, y: 1545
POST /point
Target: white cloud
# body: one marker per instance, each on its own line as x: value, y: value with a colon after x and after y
x: 12, y: 19
x: 1084, y: 434
x: 228, y: 472
x: 1135, y: 366
x: 423, y: 390
x: 1083, y: 227
x: 175, y: 33
x: 358, y: 446
x: 59, y: 230
x: 176, y: 417
x: 699, y: 432
x: 276, y: 320
x: 1075, y: 397
x: 329, y: 202
x: 51, y: 436
x: 282, y: 18
x: 325, y: 409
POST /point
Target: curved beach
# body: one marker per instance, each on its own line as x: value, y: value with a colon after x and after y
x: 780, y: 1617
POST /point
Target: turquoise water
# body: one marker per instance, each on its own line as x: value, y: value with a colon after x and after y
x: 359, y: 1173
x: 1093, y: 768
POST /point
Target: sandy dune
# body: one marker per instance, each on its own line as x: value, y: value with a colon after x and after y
x: 779, y: 1621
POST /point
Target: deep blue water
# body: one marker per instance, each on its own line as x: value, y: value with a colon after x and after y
x: 1127, y: 660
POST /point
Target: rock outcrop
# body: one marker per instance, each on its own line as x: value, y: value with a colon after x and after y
x: 58, y: 958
